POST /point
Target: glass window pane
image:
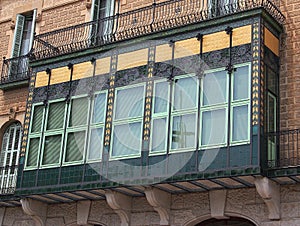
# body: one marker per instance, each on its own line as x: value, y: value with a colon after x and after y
x: 52, y: 148
x: 240, y: 123
x: 241, y: 83
x: 129, y: 102
x: 37, y: 118
x: 271, y: 113
x: 75, y: 146
x: 215, y: 88
x: 185, y: 94
x: 99, y: 108
x: 161, y: 97
x: 272, y: 81
x: 78, y: 114
x: 213, y: 127
x: 33, y: 151
x: 127, y: 139
x: 158, y: 135
x: 56, y: 115
x: 184, y: 131
x: 96, y: 144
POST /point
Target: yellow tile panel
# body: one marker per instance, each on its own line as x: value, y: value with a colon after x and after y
x: 133, y: 59
x: 60, y: 75
x: 102, y: 66
x: 41, y: 79
x: 187, y: 47
x: 82, y: 70
x: 163, y: 53
x: 271, y: 41
x: 220, y: 40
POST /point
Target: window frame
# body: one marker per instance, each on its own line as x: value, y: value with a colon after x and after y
x: 52, y: 132
x: 124, y: 121
x: 188, y: 111
x: 95, y: 126
x: 157, y: 116
x: 34, y: 135
x: 74, y: 129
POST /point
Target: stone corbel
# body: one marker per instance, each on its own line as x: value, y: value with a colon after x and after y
x: 217, y: 200
x: 161, y: 203
x: 121, y: 204
x: 269, y: 191
x: 83, y: 212
x: 36, y: 210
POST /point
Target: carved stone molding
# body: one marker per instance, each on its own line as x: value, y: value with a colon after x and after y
x: 270, y: 193
x: 161, y: 202
x: 83, y: 212
x: 36, y: 210
x: 217, y: 200
x: 121, y: 204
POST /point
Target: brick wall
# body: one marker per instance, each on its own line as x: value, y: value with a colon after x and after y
x: 290, y: 66
x: 63, y: 16
x: 4, y: 40
x: 128, y: 5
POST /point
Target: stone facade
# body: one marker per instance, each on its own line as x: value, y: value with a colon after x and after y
x: 186, y: 210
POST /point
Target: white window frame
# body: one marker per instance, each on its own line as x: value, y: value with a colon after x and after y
x: 9, y: 170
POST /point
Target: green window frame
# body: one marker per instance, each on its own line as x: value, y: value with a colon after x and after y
x: 35, y: 136
x: 97, y: 127
x: 76, y: 131
x: 128, y: 122
x: 160, y: 117
x: 184, y: 113
x: 214, y: 107
x: 52, y: 142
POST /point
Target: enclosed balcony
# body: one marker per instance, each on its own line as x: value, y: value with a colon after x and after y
x: 170, y: 96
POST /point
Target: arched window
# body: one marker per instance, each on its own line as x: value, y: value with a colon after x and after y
x: 232, y: 221
x: 9, y: 157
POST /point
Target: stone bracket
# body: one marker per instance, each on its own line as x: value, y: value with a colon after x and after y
x: 36, y: 210
x: 121, y: 204
x: 161, y: 203
x: 83, y: 212
x: 269, y: 191
x: 217, y: 200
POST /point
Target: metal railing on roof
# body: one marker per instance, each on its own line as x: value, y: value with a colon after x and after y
x: 154, y: 18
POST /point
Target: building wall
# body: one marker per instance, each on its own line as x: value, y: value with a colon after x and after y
x: 186, y: 210
x: 290, y: 66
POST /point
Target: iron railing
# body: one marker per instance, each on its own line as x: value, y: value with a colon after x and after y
x: 15, y: 69
x: 154, y: 18
x: 283, y: 148
x: 8, y: 179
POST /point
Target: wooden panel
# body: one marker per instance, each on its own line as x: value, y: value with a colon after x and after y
x: 82, y: 70
x: 60, y: 75
x: 103, y: 66
x: 187, y: 47
x: 163, y: 53
x: 132, y: 59
x: 271, y: 41
x: 41, y: 79
x: 220, y: 40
